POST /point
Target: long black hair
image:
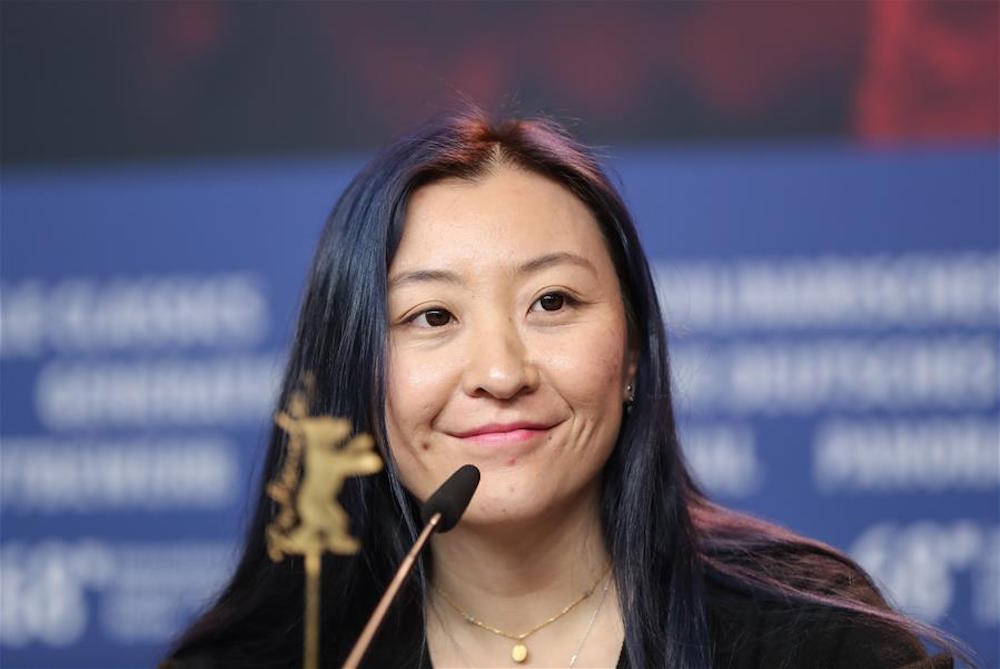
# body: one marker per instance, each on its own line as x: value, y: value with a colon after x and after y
x: 665, y: 539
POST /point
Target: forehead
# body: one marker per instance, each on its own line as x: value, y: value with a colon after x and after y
x: 508, y: 213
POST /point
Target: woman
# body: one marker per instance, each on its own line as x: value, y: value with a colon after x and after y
x: 479, y: 295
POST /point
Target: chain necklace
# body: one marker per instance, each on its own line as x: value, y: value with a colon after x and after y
x: 593, y: 618
x: 519, y: 653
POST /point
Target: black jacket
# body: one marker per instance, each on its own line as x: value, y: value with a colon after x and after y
x: 745, y: 632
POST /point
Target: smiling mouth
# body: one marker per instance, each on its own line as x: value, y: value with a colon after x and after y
x: 510, y: 436
x: 504, y: 434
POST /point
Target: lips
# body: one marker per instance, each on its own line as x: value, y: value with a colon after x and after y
x: 504, y: 432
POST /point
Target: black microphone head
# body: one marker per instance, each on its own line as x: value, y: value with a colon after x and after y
x: 451, y: 499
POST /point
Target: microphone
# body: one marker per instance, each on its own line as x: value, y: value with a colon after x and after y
x: 451, y: 499
x: 441, y: 512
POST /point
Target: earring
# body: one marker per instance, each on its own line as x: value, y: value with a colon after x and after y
x: 629, y: 394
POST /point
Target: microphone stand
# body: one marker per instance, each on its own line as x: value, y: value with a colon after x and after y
x: 368, y: 633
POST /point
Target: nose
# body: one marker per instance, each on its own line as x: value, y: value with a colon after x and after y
x: 498, y: 362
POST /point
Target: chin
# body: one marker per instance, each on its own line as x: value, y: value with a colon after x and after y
x: 491, y: 512
x: 515, y: 498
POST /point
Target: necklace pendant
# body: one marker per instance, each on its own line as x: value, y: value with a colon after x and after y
x: 519, y: 653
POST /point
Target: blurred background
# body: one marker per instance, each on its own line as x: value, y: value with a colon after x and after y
x: 815, y: 182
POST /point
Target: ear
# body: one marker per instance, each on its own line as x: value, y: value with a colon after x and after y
x: 631, y: 363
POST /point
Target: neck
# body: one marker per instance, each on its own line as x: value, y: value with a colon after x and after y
x: 518, y: 573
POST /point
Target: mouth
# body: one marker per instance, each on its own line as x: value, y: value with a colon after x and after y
x: 504, y: 433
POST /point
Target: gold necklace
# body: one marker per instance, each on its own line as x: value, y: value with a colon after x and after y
x: 519, y: 653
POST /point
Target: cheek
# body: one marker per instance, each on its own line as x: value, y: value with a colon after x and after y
x: 418, y: 388
x: 588, y: 369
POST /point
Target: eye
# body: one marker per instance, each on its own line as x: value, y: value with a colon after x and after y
x: 433, y: 318
x: 551, y: 301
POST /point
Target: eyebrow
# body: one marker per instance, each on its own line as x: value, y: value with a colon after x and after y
x: 529, y: 267
x: 423, y: 276
x: 559, y: 258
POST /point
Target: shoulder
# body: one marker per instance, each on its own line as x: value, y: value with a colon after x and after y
x: 749, y: 631
x: 201, y: 661
x: 777, y: 599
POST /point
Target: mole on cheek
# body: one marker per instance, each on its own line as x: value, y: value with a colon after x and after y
x: 512, y: 461
x: 426, y: 445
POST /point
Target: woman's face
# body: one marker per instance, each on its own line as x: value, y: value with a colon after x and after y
x: 508, y: 344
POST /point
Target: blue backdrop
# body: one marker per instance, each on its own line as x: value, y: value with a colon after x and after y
x: 834, y: 320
